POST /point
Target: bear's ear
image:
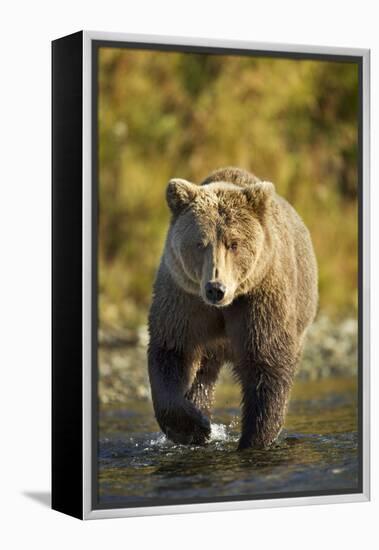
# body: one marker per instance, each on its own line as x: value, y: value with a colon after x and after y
x: 179, y: 194
x: 259, y: 196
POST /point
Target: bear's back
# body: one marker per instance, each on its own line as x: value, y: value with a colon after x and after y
x: 233, y: 175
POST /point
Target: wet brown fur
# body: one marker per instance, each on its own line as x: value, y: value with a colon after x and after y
x: 236, y: 230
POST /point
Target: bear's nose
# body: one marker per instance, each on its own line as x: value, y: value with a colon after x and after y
x: 214, y: 292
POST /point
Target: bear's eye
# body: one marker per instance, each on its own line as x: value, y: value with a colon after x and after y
x: 234, y: 246
x: 200, y: 245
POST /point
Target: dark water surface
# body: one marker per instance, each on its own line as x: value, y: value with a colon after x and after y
x: 317, y: 450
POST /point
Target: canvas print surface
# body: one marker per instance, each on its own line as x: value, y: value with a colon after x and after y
x: 227, y: 276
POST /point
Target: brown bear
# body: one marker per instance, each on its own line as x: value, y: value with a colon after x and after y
x: 237, y: 283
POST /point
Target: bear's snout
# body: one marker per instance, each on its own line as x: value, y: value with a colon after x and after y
x: 215, y: 292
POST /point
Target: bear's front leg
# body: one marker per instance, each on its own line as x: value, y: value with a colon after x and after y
x: 265, y: 393
x: 180, y: 420
x: 203, y: 387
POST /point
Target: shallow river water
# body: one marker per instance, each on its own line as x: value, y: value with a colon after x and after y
x: 317, y: 451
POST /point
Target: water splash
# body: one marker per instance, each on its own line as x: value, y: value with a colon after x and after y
x: 160, y: 440
x: 219, y: 432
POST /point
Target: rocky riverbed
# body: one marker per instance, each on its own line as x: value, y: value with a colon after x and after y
x: 330, y: 351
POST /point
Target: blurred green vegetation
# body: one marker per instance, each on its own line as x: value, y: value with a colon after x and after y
x: 164, y: 115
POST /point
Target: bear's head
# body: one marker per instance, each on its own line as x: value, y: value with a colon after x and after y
x: 217, y: 243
